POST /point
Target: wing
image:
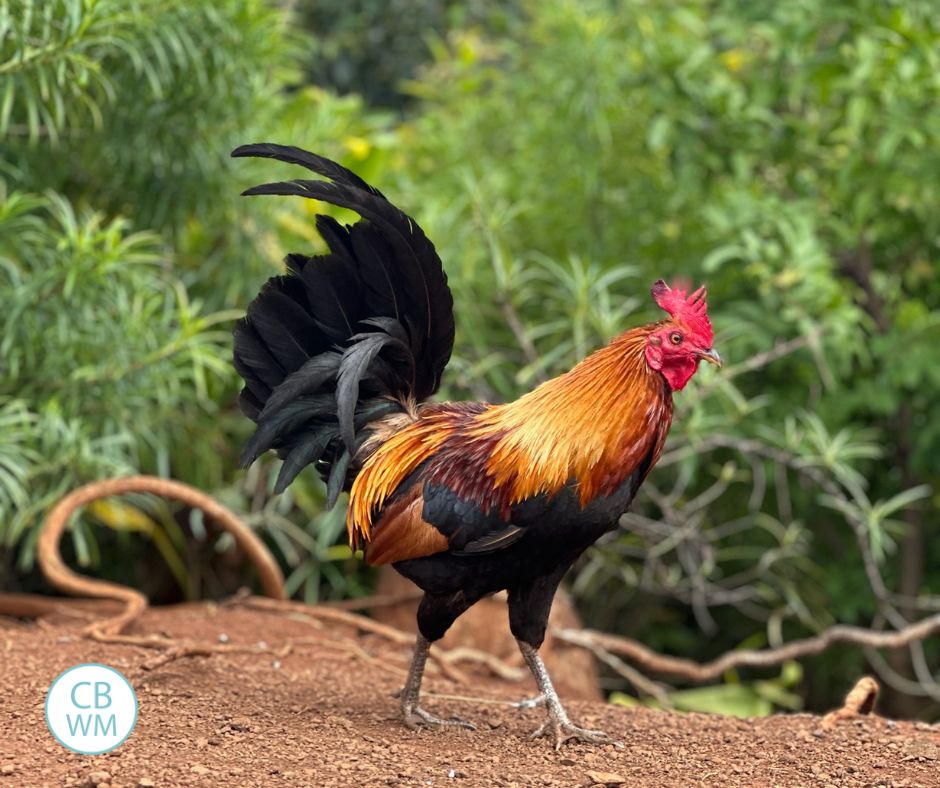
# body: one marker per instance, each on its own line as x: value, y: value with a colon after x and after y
x: 426, y: 489
x: 423, y: 519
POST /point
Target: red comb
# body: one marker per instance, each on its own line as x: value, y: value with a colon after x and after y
x: 688, y: 310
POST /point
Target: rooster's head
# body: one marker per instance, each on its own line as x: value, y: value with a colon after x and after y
x: 675, y: 346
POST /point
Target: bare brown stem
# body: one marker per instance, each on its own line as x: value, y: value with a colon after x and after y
x: 690, y: 670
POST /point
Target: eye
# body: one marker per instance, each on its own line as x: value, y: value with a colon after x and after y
x: 676, y: 338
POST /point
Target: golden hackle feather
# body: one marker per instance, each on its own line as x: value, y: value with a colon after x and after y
x: 593, y: 424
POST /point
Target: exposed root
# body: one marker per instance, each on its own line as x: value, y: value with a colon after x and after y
x: 860, y: 700
x: 495, y: 665
x: 135, y: 603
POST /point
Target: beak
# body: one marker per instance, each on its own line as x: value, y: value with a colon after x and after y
x: 711, y: 356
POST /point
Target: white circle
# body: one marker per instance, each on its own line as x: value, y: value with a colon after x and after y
x: 91, y: 709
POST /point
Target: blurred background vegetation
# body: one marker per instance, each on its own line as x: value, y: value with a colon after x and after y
x: 562, y: 155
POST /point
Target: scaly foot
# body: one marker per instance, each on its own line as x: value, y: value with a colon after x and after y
x: 416, y: 718
x: 562, y: 730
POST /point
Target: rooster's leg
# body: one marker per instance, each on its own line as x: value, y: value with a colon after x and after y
x: 412, y: 714
x: 558, y: 726
x: 529, y: 606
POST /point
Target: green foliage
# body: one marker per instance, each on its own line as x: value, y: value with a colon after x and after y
x: 735, y: 698
x: 370, y: 48
x: 75, y: 285
x: 117, y: 350
x: 153, y: 91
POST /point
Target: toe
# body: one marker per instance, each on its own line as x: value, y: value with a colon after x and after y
x: 562, y: 732
x: 460, y: 723
x: 530, y: 703
x: 415, y: 718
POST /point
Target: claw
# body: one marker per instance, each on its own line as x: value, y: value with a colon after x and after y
x: 562, y: 730
x: 530, y: 703
x: 416, y: 718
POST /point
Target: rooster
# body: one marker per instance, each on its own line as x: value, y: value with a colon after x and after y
x: 339, y: 357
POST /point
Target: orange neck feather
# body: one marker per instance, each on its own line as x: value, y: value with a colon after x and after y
x: 594, y: 424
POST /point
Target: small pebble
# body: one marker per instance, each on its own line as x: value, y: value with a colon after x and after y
x: 605, y: 778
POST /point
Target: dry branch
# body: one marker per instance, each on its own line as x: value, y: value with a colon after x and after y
x: 652, y: 662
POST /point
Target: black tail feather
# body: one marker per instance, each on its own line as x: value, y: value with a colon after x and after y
x: 307, y: 449
x: 313, y: 162
x: 308, y: 379
x: 333, y: 295
x: 337, y: 478
x: 352, y: 369
x: 343, y: 338
x: 299, y: 413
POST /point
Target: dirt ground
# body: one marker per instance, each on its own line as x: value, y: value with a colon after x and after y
x: 313, y: 706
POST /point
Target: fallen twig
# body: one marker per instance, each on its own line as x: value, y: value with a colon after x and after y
x: 353, y: 620
x: 378, y: 600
